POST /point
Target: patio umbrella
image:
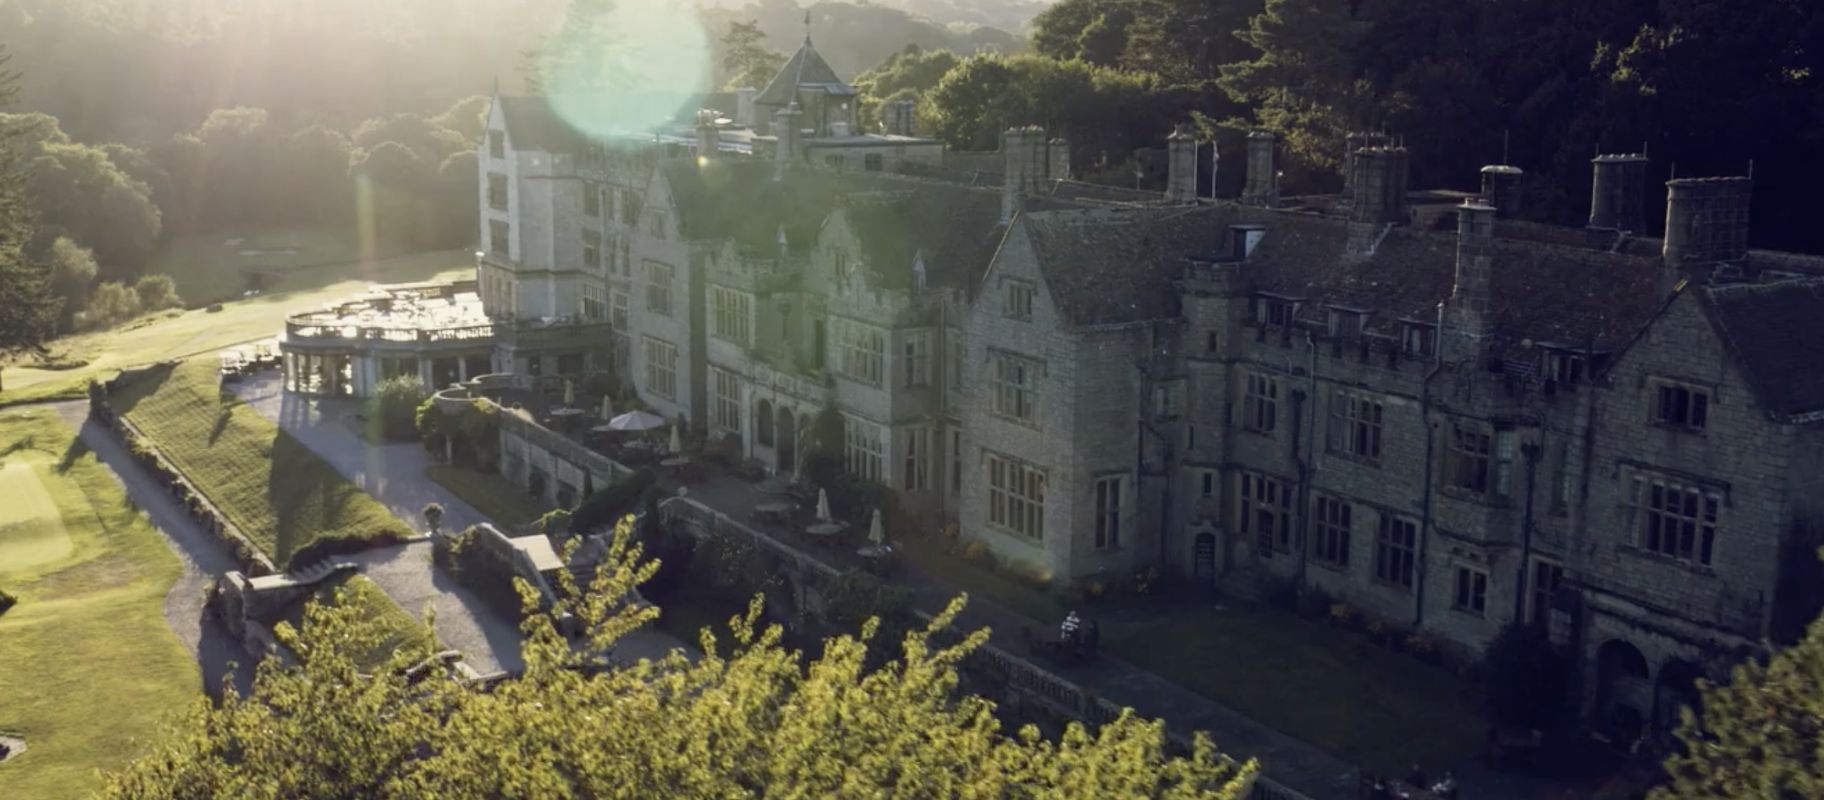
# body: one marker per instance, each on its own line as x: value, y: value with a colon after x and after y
x: 569, y: 394
x: 823, y: 505
x: 636, y: 421
x: 876, y: 535
x: 607, y: 407
x: 677, y: 444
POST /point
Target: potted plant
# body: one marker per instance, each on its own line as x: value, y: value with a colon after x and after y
x: 433, y: 516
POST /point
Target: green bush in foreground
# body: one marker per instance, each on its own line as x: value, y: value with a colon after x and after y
x: 392, y: 409
x: 762, y: 722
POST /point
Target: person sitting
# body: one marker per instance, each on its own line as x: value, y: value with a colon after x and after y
x: 1068, y: 629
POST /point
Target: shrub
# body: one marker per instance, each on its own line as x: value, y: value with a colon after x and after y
x: 428, y: 419
x: 601, y: 510
x: 1345, y: 615
x: 479, y: 425
x: 555, y: 522
x: 111, y: 304
x: 978, y: 554
x: 1525, y: 684
x: 1421, y: 646
x: 340, y: 544
x: 433, y: 516
x: 392, y: 409
x: 157, y: 292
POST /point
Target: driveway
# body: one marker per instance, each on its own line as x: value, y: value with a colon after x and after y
x: 218, y: 652
x: 394, y: 475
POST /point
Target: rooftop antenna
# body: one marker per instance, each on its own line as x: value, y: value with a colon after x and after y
x: 1750, y: 169
x: 1643, y: 148
x: 807, y: 26
x: 1504, y: 137
x: 496, y: 84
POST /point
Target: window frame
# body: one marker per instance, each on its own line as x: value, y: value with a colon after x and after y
x: 1469, y: 590
x: 917, y: 475
x: 661, y: 278
x: 861, y: 351
x: 1018, y: 298
x: 863, y: 449
x: 1107, y: 498
x: 1687, y: 533
x: 1332, y: 522
x: 661, y: 367
x: 1396, y: 542
x: 1264, y: 499
x: 499, y: 196
x: 915, y: 352
x: 1679, y: 405
x: 1357, y: 426
x: 725, y: 400
x: 500, y: 238
x: 1016, y: 497
x: 1013, y: 382
x: 731, y: 314
x: 1260, y: 402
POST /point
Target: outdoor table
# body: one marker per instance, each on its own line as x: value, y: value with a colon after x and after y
x: 776, y: 510
x: 873, y: 551
x: 824, y: 530
x: 675, y: 462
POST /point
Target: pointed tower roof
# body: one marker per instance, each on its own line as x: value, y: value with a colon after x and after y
x: 805, y: 71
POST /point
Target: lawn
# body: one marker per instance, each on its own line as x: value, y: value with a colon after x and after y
x: 88, y: 666
x: 406, y: 631
x: 183, y: 334
x: 495, y: 497
x: 1332, y: 689
x: 212, y: 267
x: 1367, y: 705
x: 281, y: 495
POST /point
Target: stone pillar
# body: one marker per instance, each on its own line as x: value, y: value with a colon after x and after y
x: 1022, y: 151
x: 1501, y: 189
x: 1181, y: 166
x: 1262, y: 187
x: 1060, y: 159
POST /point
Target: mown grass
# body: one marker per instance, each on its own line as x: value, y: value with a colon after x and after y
x: 1367, y: 705
x: 88, y: 665
x: 495, y: 497
x: 280, y: 494
x: 172, y: 335
x: 404, y: 631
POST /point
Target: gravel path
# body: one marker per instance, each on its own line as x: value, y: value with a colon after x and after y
x: 394, y: 475
x: 203, y: 558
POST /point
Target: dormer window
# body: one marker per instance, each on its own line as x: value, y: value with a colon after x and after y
x: 1418, y: 338
x: 1346, y: 323
x: 1271, y: 310
x: 1564, y: 367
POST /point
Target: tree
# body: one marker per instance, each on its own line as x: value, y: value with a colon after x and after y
x: 28, y: 309
x: 1759, y: 735
x: 746, y: 60
x: 1305, y: 80
x: 392, y: 409
x: 77, y: 190
x: 1183, y: 40
x: 112, y: 303
x: 1525, y: 678
x: 761, y: 721
x: 157, y: 292
x: 73, y: 272
x: 1057, y: 32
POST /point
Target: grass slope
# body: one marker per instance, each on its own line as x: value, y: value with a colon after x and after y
x: 183, y: 334
x: 88, y: 665
x: 281, y: 495
x: 405, y: 630
x: 495, y: 497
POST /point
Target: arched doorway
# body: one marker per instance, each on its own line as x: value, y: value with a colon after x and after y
x: 1624, y: 693
x: 785, y: 453
x: 763, y: 423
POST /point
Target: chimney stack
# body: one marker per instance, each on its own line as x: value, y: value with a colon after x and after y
x: 1706, y: 220
x: 1352, y: 143
x: 1379, y: 187
x: 1501, y: 189
x: 1181, y: 166
x: 709, y: 139
x: 1262, y: 187
x: 1024, y: 152
x: 785, y: 128
x: 1470, y: 312
x: 744, y: 106
x: 1618, y: 192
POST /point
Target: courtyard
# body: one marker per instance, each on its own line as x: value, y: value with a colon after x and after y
x: 88, y: 666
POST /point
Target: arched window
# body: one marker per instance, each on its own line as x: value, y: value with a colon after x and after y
x: 763, y: 424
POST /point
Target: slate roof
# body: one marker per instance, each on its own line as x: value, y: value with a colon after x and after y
x: 805, y: 70
x: 1117, y: 265
x: 1776, y: 331
x: 1106, y: 266
x: 955, y: 228
x: 533, y: 125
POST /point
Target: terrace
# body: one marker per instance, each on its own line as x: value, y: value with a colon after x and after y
x: 437, y: 332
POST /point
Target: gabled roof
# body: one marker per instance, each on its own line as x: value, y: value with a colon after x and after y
x: 806, y: 70
x: 1107, y: 266
x: 953, y: 230
x: 1776, y: 332
x: 533, y: 125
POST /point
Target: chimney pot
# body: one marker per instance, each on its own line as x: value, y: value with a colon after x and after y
x: 1262, y: 188
x: 1706, y: 220
x: 1618, y: 192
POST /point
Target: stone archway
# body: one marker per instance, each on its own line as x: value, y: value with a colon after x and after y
x: 1624, y: 691
x: 785, y: 433
x: 763, y: 423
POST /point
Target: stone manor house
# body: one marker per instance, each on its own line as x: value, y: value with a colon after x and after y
x: 1413, y: 400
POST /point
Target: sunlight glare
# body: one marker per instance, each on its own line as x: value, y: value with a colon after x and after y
x: 644, y: 63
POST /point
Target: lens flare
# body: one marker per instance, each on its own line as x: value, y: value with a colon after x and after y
x: 631, y: 70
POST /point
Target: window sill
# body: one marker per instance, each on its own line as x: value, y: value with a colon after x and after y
x: 1674, y: 427
x: 1387, y: 584
x: 1694, y: 568
x: 1268, y: 434
x: 1354, y: 459
x: 1479, y: 498
x: 1330, y: 566
x: 1012, y: 420
x: 1469, y: 612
